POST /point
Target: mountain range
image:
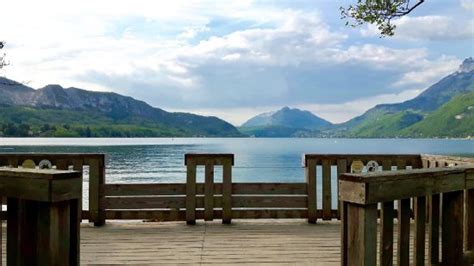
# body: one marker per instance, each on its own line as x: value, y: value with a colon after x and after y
x: 57, y: 111
x: 446, y: 109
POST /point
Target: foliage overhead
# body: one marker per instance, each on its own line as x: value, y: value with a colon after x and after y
x: 2, y: 57
x: 378, y: 12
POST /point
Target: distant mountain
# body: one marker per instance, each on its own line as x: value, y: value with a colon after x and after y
x: 390, y: 120
x: 287, y: 117
x: 102, y: 113
x: 286, y: 122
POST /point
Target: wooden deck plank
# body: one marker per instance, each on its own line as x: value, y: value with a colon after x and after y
x: 267, y: 241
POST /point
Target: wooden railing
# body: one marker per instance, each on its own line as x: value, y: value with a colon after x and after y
x: 64, y: 161
x: 449, y: 191
x: 225, y: 200
x: 43, y: 224
x: 341, y: 163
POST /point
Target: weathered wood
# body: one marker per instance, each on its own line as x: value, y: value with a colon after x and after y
x: 393, y: 185
x: 310, y: 177
x: 191, y: 192
x: 318, y: 158
x: 419, y: 232
x: 386, y: 165
x: 214, y: 159
x: 452, y: 228
x: 362, y: 234
x: 386, y: 233
x: 386, y: 222
x: 39, y: 184
x: 227, y: 193
x: 62, y: 164
x: 75, y: 206
x: 13, y: 162
x: 342, y: 168
x: 146, y: 202
x: 209, y: 191
x: 253, y: 242
x: 433, y: 227
x: 269, y: 214
x: 448, y: 159
x: 96, y: 196
x: 16, y: 208
x: 269, y: 188
x: 53, y: 247
x: 43, y: 229
x: 403, y: 244
x: 425, y: 163
x: 401, y: 164
x: 272, y: 202
x: 326, y: 185
x: 344, y: 237
x: 180, y: 215
x: 156, y: 215
x: 469, y: 222
x: 151, y: 189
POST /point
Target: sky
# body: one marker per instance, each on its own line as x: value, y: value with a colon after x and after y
x: 234, y: 59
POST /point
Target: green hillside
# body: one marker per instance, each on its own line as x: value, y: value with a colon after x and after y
x: 18, y: 121
x: 453, y: 119
x: 386, y: 124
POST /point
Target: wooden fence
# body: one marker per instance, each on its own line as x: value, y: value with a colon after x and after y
x: 225, y: 200
x: 449, y: 193
x: 64, y: 161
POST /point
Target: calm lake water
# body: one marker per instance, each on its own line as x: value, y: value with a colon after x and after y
x: 256, y: 159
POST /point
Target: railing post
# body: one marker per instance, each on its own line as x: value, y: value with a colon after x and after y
x: 42, y: 223
x: 310, y: 177
x: 344, y: 237
x: 433, y: 227
x: 403, y: 246
x: 209, y: 191
x: 341, y: 169
x: 386, y: 233
x: 420, y: 219
x: 452, y: 228
x: 190, y: 191
x: 326, y: 185
x: 96, y: 195
x: 362, y: 234
x: 227, y: 192
x: 469, y: 205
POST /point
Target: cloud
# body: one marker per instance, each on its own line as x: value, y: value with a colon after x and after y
x: 226, y: 57
x: 335, y: 113
x: 433, y: 28
x: 429, y: 71
x: 467, y: 4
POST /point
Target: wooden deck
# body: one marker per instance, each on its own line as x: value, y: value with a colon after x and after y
x: 267, y: 242
x: 242, y: 242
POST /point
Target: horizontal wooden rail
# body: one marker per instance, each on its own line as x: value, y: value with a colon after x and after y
x: 180, y: 189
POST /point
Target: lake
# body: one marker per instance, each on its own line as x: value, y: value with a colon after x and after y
x: 146, y: 160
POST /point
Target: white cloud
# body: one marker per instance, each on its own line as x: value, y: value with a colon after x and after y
x: 216, y: 54
x: 429, y: 71
x: 379, y: 56
x: 467, y: 4
x: 433, y: 28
